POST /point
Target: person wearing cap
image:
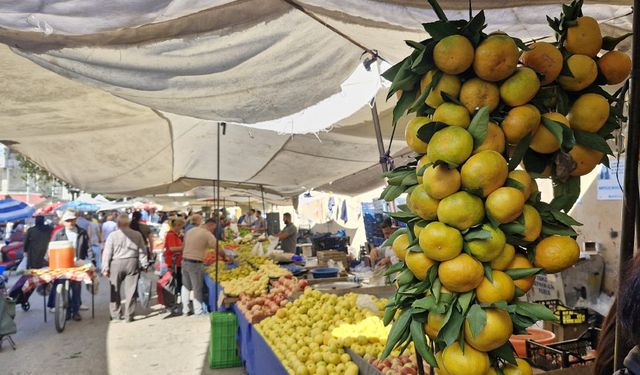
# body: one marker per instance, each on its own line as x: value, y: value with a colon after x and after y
x: 196, y: 243
x: 80, y: 241
x: 194, y: 221
x: 124, y: 255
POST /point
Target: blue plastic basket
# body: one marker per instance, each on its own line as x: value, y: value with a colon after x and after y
x: 323, y: 273
x: 2, y: 268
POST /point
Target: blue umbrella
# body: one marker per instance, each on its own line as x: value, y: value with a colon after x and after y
x: 79, y: 205
x: 13, y: 210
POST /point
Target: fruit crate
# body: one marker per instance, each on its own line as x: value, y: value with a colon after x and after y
x: 566, y: 315
x: 564, y: 354
x: 223, y: 348
x: 337, y: 256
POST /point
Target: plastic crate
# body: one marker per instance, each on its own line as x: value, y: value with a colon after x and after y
x: 223, y: 348
x: 564, y: 354
x: 565, y: 314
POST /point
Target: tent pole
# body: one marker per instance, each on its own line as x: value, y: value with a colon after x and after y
x: 379, y: 140
x: 630, y: 201
x: 264, y: 205
x: 217, y: 196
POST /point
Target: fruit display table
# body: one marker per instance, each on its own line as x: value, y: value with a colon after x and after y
x: 245, y: 330
x: 211, y: 288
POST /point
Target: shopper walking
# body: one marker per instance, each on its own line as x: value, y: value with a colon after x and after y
x: 108, y: 227
x: 145, y: 231
x: 194, y: 221
x: 95, y: 236
x: 124, y: 255
x: 80, y: 241
x: 173, y: 247
x: 36, y: 243
x: 196, y: 243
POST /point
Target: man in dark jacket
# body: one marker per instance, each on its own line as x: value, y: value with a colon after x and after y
x: 36, y: 243
x: 629, y: 315
x: 80, y: 241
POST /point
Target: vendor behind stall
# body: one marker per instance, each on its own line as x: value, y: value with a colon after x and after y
x: 289, y: 235
x: 384, y: 256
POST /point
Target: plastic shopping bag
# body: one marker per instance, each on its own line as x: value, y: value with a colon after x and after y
x: 22, y: 266
x: 144, y: 290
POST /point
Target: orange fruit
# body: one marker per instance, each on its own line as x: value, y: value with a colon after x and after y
x: 440, y: 242
x: 418, y: 264
x: 486, y: 170
x: 422, y: 204
x: 586, y: 159
x: 519, y: 122
x: 495, y: 333
x: 496, y: 58
x: 584, y: 70
x: 411, y: 134
x: 525, y: 180
x: 461, y: 210
x: 400, y: 246
x: 452, y: 114
x: 453, y: 54
x: 448, y: 83
x: 423, y: 161
x: 503, y: 260
x: 476, y: 93
x: 494, y: 140
x: 556, y: 253
x: 545, y: 59
x: 440, y: 181
x: 501, y: 289
x: 469, y: 361
x: 543, y: 140
x: 520, y: 88
x: 461, y: 274
x: 532, y: 223
x: 488, y: 249
x: 452, y: 144
x: 522, y: 368
x: 433, y: 324
x: 584, y: 38
x: 520, y: 261
x: 615, y: 66
x: 589, y: 112
x: 505, y: 204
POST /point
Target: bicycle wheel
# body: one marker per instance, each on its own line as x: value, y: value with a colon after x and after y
x: 62, y: 300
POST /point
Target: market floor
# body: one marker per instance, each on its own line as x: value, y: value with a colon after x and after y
x: 153, y: 344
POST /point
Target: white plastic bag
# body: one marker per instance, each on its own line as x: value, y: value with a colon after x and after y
x: 144, y: 290
x: 22, y: 266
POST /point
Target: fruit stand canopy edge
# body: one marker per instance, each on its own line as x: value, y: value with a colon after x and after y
x: 155, y: 55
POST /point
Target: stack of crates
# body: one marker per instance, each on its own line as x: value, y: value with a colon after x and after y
x: 564, y: 354
x: 223, y: 348
x: 572, y: 322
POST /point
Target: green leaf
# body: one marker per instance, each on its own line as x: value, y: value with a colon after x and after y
x: 535, y: 310
x: 473, y: 29
x: 609, y: 43
x: 451, y: 330
x: 521, y: 44
x: 559, y: 230
x: 522, y: 273
x: 519, y: 151
x: 519, y: 293
x: 414, y: 249
x: 555, y: 128
x: 426, y: 303
x: 479, y: 234
x: 410, y: 179
x: 436, y: 286
x: 427, y: 130
x: 505, y: 352
x: 479, y: 125
x: 448, y: 98
x: 390, y: 74
x: 394, y: 268
x: 403, y: 105
x: 514, y: 184
x: 535, y: 162
x: 397, y: 331
x: 487, y: 272
x: 415, y: 45
x: 564, y: 218
x: 389, y: 313
x: 513, y: 228
x: 464, y: 300
x: 438, y: 10
x: 420, y: 342
x: 592, y: 141
x: 423, y: 96
x: 565, y: 194
x: 477, y: 319
x: 393, y: 192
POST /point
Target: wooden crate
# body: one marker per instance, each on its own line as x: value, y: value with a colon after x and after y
x: 337, y: 256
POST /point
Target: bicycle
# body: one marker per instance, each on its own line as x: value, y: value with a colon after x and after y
x: 61, y: 305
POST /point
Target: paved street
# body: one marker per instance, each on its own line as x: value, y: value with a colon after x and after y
x: 153, y: 344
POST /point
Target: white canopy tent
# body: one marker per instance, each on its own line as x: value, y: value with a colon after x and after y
x: 125, y: 97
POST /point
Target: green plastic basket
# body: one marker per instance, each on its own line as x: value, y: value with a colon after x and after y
x: 223, y: 348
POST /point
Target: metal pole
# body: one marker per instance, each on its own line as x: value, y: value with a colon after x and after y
x: 215, y: 301
x: 264, y: 204
x: 630, y: 202
x: 379, y: 140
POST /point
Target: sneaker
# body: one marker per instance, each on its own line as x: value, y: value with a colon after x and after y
x: 76, y: 317
x: 52, y: 309
x: 84, y: 308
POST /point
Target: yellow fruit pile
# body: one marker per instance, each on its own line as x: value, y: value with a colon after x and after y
x: 272, y: 270
x: 478, y: 231
x: 253, y: 285
x: 299, y: 334
x: 364, y: 337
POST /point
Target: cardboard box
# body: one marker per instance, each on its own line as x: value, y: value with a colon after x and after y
x: 566, y: 332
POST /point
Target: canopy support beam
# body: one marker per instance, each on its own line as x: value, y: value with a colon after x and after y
x: 630, y: 201
x: 264, y: 204
x: 384, y: 157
